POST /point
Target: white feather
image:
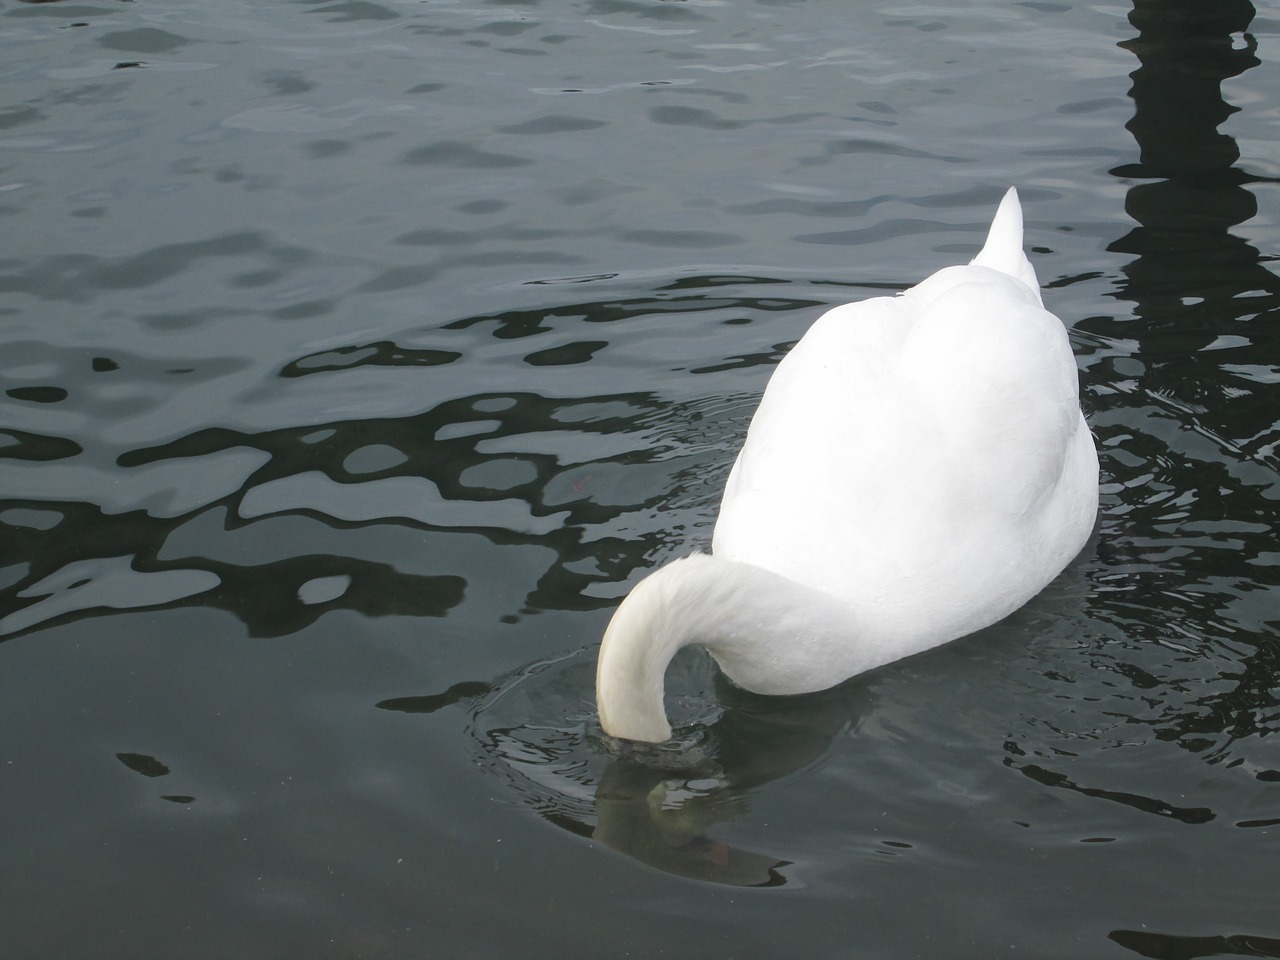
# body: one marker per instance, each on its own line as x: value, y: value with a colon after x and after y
x: 918, y: 468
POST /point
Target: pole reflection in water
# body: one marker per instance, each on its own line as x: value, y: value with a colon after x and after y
x: 1196, y: 402
x: 1191, y: 416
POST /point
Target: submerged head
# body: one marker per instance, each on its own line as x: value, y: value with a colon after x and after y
x: 698, y: 599
x: 768, y: 634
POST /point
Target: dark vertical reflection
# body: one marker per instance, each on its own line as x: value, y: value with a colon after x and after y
x: 1186, y: 50
x: 1183, y: 248
x: 1195, y: 428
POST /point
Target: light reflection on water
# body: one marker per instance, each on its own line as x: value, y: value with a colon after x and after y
x: 358, y: 356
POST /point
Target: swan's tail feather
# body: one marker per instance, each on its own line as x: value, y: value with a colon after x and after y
x: 1003, y: 249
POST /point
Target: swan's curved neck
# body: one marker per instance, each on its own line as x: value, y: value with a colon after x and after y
x: 768, y: 633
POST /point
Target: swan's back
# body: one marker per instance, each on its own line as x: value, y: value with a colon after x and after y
x: 922, y: 456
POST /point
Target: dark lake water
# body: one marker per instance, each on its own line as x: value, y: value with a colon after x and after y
x: 358, y: 356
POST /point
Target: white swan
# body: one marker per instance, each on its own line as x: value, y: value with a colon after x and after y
x: 918, y: 468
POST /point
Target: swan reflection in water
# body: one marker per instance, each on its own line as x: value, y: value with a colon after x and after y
x: 658, y: 804
x: 663, y: 817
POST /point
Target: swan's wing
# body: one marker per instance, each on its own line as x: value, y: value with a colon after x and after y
x: 908, y: 439
x: 819, y: 450
x: 997, y: 372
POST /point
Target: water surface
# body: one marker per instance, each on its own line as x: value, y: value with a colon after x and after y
x: 358, y: 356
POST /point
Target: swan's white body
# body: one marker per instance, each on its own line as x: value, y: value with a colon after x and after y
x: 918, y: 468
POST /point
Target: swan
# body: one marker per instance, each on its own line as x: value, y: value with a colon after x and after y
x: 917, y: 469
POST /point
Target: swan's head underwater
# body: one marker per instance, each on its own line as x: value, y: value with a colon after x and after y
x: 917, y: 469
